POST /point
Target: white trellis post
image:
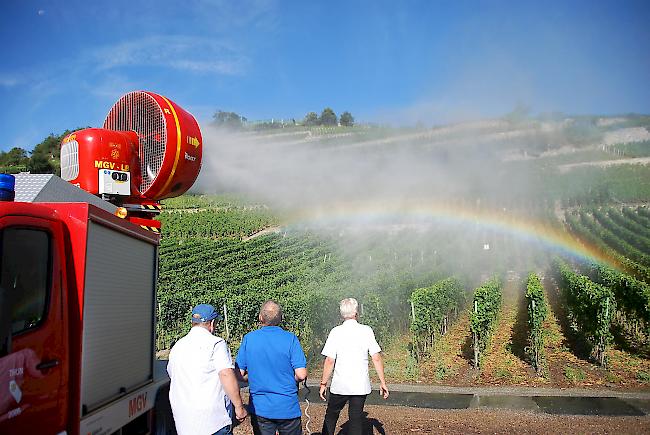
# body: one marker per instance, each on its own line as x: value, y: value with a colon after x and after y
x: 225, y: 320
x: 413, y: 311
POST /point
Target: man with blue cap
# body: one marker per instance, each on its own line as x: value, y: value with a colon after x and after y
x: 203, y: 387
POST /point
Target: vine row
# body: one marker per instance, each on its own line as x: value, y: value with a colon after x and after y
x: 432, y: 308
x: 487, y: 303
x: 591, y: 307
x: 537, y: 314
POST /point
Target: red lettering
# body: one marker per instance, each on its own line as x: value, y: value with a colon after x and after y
x: 137, y: 404
x: 132, y: 407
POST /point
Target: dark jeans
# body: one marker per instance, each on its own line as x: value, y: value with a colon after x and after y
x: 335, y: 404
x: 268, y: 426
x: 226, y: 430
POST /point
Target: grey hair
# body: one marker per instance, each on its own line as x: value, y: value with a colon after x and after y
x: 271, y: 313
x: 203, y: 324
x: 349, y: 308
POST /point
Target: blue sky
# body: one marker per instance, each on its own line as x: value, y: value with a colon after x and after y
x: 64, y: 63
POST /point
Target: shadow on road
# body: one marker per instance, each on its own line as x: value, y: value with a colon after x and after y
x: 371, y: 426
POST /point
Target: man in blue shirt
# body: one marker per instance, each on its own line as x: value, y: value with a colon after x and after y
x: 274, y: 363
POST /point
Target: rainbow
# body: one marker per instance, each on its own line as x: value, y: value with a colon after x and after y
x: 553, y: 237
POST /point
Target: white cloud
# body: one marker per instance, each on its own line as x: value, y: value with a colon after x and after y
x: 8, y: 81
x: 41, y: 12
x: 219, y: 67
x: 112, y: 87
x: 187, y: 53
x: 229, y: 15
x: 41, y: 88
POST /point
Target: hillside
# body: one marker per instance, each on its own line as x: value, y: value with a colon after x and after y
x: 389, y: 216
x: 492, y: 161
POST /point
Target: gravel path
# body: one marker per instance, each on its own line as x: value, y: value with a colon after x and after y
x: 401, y: 420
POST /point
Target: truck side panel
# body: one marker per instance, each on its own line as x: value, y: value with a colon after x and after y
x: 118, y: 316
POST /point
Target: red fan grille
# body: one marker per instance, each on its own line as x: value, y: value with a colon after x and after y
x: 141, y: 113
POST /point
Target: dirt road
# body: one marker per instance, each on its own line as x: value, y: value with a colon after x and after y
x: 606, y: 163
x: 401, y: 420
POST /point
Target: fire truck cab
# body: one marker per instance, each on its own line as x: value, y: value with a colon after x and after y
x: 77, y: 333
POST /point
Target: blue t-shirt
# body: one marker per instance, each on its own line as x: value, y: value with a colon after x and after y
x: 270, y: 355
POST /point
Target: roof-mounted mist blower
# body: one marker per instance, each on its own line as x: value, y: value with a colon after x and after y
x: 149, y: 149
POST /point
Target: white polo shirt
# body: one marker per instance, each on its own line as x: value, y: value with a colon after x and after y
x: 350, y: 344
x: 199, y: 403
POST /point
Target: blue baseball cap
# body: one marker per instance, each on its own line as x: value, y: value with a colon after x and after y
x: 204, y: 313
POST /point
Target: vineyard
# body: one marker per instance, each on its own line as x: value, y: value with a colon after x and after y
x: 444, y: 312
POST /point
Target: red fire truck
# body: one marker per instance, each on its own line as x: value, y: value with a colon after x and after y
x: 78, y: 272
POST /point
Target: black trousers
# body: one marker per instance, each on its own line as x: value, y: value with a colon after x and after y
x: 269, y: 426
x: 335, y: 404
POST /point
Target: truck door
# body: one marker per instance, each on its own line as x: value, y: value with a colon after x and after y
x: 33, y: 360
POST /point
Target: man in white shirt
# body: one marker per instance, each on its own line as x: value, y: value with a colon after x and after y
x: 203, y: 384
x: 346, y: 354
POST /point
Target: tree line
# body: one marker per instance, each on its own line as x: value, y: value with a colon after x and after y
x: 328, y: 117
x: 44, y: 158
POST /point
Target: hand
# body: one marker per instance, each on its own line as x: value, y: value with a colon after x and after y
x: 323, y: 389
x: 241, y: 413
x: 383, y: 390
